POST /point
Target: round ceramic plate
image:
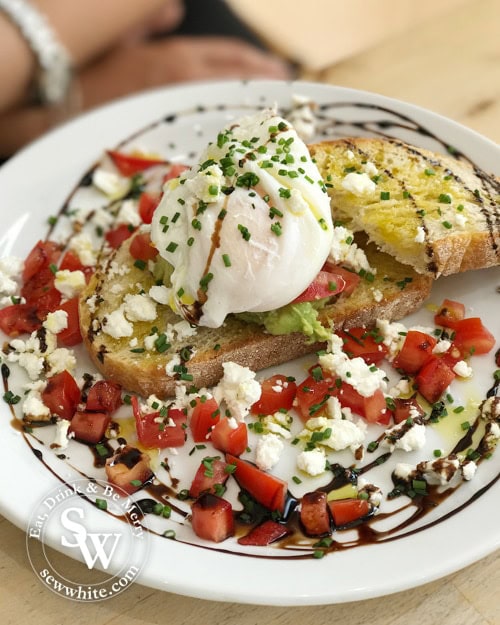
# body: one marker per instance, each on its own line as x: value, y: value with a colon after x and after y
x: 177, y: 122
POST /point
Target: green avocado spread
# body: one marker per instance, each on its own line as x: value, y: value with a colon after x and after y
x: 301, y: 317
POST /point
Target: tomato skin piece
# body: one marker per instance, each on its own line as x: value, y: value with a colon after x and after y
x: 19, y: 319
x: 206, y: 483
x: 147, y: 206
x: 325, y: 284
x: 150, y: 433
x: 104, y: 396
x: 128, y: 164
x: 359, y: 343
x: 141, y: 247
x: 351, y: 279
x: 268, y: 490
x: 228, y: 439
x: 406, y: 408
x: 472, y: 337
x: 71, y: 335
x: 88, y: 426
x: 415, y: 352
x: 449, y: 313
x: 314, y: 514
x: 175, y: 171
x: 117, y: 236
x: 311, y: 393
x: 212, y: 518
x: 373, y: 409
x: 347, y: 511
x: 264, y: 534
x: 204, y: 417
x: 62, y: 395
x: 271, y: 400
x: 433, y: 379
x: 43, y: 254
x: 126, y: 467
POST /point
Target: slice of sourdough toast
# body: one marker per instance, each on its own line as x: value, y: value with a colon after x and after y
x: 436, y: 213
x: 165, y: 349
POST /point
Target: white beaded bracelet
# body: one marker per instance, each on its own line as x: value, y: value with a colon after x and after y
x: 54, y: 78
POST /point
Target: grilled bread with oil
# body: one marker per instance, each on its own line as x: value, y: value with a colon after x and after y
x: 395, y: 291
x: 439, y: 214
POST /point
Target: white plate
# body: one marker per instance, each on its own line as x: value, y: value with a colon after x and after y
x: 36, y: 183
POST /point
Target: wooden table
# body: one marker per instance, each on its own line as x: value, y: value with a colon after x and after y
x: 452, y: 66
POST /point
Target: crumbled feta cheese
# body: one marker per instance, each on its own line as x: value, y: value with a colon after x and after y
x: 160, y: 294
x: 129, y: 214
x: 460, y: 219
x: 441, y: 471
x: 207, y: 184
x: 61, y: 437
x: 133, y: 342
x: 10, y: 275
x: 400, y: 436
x: 490, y: 408
x: 462, y: 369
x: 34, y: 407
x: 56, y: 321
x: 302, y: 117
x: 297, y: 204
x: 238, y: 388
x: 441, y: 346
x: 469, y: 470
x: 184, y: 330
x: 111, y: 184
x: 116, y: 325
x: 378, y: 296
x: 312, y: 462
x: 344, y: 251
x: 370, y: 168
x: 366, y: 379
x: 61, y: 359
x: 81, y: 245
x: 172, y: 364
x: 268, y: 452
x: 401, y: 388
x: 69, y: 283
x: 358, y: 184
x: 393, y: 335
x: 420, y: 236
x: 139, y: 307
x: 404, y: 471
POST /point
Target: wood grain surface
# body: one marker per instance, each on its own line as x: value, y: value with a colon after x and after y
x: 450, y: 64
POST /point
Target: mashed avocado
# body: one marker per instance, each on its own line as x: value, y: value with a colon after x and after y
x: 302, y: 317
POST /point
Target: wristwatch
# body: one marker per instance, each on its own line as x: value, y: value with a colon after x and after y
x: 54, y: 80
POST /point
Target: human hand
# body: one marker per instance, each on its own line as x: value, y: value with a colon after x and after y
x: 147, y: 64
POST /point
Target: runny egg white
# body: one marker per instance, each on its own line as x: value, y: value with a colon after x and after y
x: 249, y: 227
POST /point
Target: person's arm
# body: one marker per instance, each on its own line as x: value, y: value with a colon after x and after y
x: 86, y: 29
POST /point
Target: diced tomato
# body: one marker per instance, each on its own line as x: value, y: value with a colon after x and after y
x: 62, y: 395
x: 266, y: 489
x: 416, y: 351
x: 129, y: 469
x: 18, y: 319
x: 347, y: 511
x: 44, y: 254
x: 141, y: 247
x: 154, y: 431
x: 451, y: 356
x: 314, y: 514
x: 325, y: 284
x: 212, y: 518
x: 210, y: 473
x: 433, y: 379
x: 48, y: 301
x: 147, y: 206
x: 89, y: 427
x: 205, y: 416
x: 312, y: 394
x: 229, y: 439
x: 120, y: 234
x: 71, y: 335
x: 130, y: 164
x: 175, y: 171
x: 39, y: 291
x: 373, y: 409
x: 104, y: 396
x: 360, y: 342
x: 71, y: 262
x: 278, y: 393
x: 351, y: 279
x: 264, y: 534
x: 449, y: 313
x: 471, y: 337
x: 406, y: 408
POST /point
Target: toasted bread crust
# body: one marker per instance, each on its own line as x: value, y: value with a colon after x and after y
x: 455, y: 206
x: 395, y: 291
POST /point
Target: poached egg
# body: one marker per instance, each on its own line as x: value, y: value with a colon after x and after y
x: 249, y: 227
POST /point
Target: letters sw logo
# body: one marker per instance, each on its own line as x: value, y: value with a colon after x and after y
x: 93, y: 546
